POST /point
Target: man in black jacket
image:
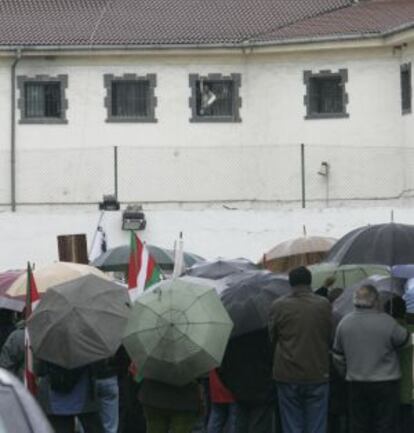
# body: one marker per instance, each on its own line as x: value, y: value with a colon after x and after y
x: 247, y: 372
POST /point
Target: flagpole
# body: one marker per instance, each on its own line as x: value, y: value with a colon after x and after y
x: 96, y: 232
x: 178, y: 257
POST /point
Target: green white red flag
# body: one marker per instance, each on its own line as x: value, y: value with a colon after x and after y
x: 143, y: 271
x: 32, y: 299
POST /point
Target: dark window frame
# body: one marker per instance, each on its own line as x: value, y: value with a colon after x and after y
x: 310, y: 77
x: 62, y: 80
x: 406, y: 69
x: 152, y: 99
x: 236, y: 103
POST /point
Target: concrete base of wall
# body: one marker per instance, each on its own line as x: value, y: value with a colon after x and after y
x: 31, y: 234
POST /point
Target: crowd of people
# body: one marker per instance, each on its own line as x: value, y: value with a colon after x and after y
x: 304, y: 373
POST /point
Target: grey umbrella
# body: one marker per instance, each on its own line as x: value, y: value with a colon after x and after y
x: 387, y: 287
x: 19, y: 412
x: 79, y: 322
x: 220, y: 268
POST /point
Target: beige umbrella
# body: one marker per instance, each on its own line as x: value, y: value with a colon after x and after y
x: 52, y: 275
x: 302, y: 251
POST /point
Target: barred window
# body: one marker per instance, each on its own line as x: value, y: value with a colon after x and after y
x: 42, y: 99
x: 405, y: 74
x: 215, y: 98
x: 130, y: 98
x: 326, y: 96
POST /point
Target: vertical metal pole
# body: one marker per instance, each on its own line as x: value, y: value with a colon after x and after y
x: 13, y: 133
x: 302, y: 162
x: 116, y: 172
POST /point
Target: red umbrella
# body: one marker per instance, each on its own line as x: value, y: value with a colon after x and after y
x: 7, y: 278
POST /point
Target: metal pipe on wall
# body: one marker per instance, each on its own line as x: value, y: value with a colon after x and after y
x: 18, y: 56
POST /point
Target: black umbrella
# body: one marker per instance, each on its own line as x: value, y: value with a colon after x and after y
x: 220, y: 268
x: 19, y: 411
x: 248, y: 297
x: 385, y: 244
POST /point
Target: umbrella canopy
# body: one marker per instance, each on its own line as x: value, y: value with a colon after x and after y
x: 19, y: 412
x: 7, y: 278
x: 345, y: 275
x: 385, y: 244
x: 117, y: 259
x: 302, y: 251
x: 249, y: 296
x: 79, y: 322
x: 387, y: 286
x: 221, y: 268
x: 403, y: 271
x: 52, y: 275
x: 177, y: 331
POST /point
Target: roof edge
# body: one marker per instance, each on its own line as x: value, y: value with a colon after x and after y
x: 292, y: 44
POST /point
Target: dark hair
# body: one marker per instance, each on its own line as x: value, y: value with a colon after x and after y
x: 300, y: 276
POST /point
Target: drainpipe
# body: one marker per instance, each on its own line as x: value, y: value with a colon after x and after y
x: 13, y: 130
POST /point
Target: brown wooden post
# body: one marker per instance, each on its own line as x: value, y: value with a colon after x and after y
x: 73, y: 248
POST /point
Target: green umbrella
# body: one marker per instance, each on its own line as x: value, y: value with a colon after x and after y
x: 178, y: 330
x: 346, y: 275
x: 79, y: 322
x: 117, y: 259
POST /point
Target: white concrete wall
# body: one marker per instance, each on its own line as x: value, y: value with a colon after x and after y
x: 31, y: 235
x: 178, y: 161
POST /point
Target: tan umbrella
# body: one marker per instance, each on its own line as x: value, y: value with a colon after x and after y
x: 52, y: 275
x: 302, y: 251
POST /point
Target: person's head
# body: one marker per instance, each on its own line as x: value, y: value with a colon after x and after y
x: 206, y: 88
x: 334, y: 294
x: 300, y: 277
x: 366, y: 297
x: 395, y: 307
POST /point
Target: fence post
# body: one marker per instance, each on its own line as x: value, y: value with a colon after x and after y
x: 302, y: 163
x: 116, y: 172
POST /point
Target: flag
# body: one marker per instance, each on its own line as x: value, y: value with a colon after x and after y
x: 142, y: 270
x: 179, y: 267
x: 99, y: 245
x: 32, y: 299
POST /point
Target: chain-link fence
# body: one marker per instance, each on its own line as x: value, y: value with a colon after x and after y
x: 294, y: 175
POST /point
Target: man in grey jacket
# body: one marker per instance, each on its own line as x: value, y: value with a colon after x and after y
x: 365, y: 350
x: 301, y: 330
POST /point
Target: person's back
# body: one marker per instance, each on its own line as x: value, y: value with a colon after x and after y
x: 300, y: 329
x: 170, y: 408
x: 365, y: 347
x: 368, y: 342
x: 12, y: 353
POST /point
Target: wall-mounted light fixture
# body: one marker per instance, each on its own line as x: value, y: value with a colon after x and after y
x: 324, y: 169
x: 109, y: 202
x: 133, y: 218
